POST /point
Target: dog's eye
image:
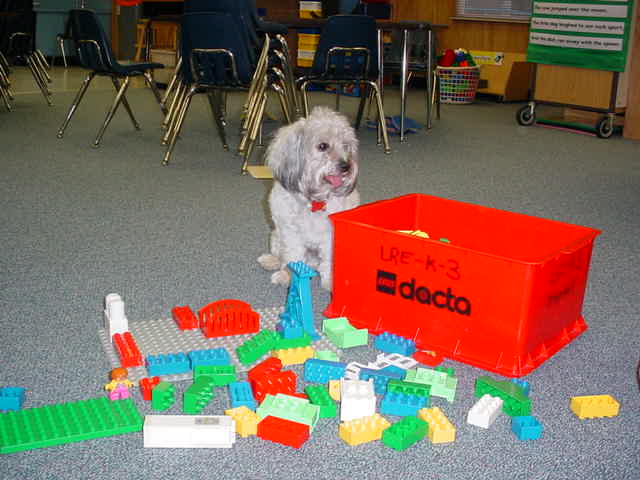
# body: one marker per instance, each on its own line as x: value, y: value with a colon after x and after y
x: 323, y: 146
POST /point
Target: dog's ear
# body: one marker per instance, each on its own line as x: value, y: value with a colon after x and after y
x: 285, y: 155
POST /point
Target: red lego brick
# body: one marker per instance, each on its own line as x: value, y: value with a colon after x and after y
x: 268, y: 366
x: 274, y: 383
x: 184, y: 317
x: 283, y: 431
x: 228, y: 317
x: 299, y: 395
x: 429, y: 358
x: 128, y: 350
x: 146, y: 385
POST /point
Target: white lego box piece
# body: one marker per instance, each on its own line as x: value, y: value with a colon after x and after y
x: 352, y: 370
x: 115, y: 320
x: 395, y: 359
x: 485, y: 411
x: 189, y: 431
x: 358, y: 399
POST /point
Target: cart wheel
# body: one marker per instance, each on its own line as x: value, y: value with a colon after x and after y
x: 525, y: 116
x: 604, y: 127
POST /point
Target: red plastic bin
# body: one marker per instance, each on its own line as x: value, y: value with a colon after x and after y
x: 504, y: 295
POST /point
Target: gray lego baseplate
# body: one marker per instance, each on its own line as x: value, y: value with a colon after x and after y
x: 155, y: 337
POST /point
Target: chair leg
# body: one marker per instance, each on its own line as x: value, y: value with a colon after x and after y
x: 284, y: 104
x: 253, y: 132
x: 305, y: 100
x: 45, y: 64
x: 41, y: 82
x: 76, y: 102
x: 125, y: 102
x: 214, y: 104
x: 5, y: 98
x: 148, y: 77
x: 251, y: 114
x: 364, y: 94
x: 172, y: 83
x: 381, y: 119
x: 116, y: 103
x: 173, y: 109
x: 179, y: 121
x: 62, y: 51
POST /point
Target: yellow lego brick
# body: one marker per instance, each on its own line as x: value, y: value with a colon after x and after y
x: 441, y: 430
x: 246, y: 420
x: 334, y: 389
x: 594, y: 406
x: 363, y: 430
x: 294, y: 356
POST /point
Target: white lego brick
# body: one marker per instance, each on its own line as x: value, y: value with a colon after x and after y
x: 396, y: 360
x: 358, y: 399
x: 485, y: 411
x: 352, y: 370
x: 115, y: 320
x: 189, y: 431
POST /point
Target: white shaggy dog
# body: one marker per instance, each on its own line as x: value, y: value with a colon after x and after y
x: 315, y: 168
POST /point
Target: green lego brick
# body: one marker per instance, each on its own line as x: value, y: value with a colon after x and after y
x: 290, y: 408
x: 163, y: 396
x: 319, y: 395
x: 516, y: 403
x: 282, y: 343
x: 408, y: 431
x: 448, y: 370
x: 221, y: 375
x: 401, y: 386
x: 257, y: 346
x: 329, y: 355
x: 196, y: 397
x: 342, y: 334
x: 66, y: 423
x: 442, y: 382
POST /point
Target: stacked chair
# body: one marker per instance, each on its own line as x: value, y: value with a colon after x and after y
x: 225, y: 47
x: 347, y: 54
x: 21, y: 47
x: 95, y: 55
x: 5, y: 84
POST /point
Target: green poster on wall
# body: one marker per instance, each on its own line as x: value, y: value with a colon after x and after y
x: 586, y: 34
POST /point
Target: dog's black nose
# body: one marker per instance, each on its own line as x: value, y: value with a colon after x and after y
x: 344, y: 166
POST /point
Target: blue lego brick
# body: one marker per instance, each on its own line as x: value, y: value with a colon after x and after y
x: 380, y: 378
x: 299, y: 304
x: 167, y: 364
x: 393, y: 370
x: 289, y: 327
x: 523, y: 384
x: 526, y: 427
x: 241, y: 394
x: 390, y: 343
x: 321, y: 371
x: 210, y: 357
x: 11, y: 398
x: 402, y: 404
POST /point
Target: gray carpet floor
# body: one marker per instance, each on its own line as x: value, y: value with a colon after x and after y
x: 78, y: 223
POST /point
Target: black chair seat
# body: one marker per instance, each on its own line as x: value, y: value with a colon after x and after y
x: 135, y: 68
x: 272, y: 28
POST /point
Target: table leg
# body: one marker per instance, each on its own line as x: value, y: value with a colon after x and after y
x: 380, y: 78
x: 430, y: 85
x: 403, y: 81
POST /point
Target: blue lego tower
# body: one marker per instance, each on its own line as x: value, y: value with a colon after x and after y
x: 297, y: 318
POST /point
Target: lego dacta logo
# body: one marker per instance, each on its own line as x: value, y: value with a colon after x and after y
x: 387, y: 282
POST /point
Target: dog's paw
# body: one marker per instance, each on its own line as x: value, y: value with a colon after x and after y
x: 281, y: 277
x: 269, y: 262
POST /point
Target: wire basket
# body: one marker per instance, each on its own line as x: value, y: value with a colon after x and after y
x: 458, y: 84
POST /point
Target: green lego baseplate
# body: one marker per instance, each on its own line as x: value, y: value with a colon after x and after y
x: 63, y: 423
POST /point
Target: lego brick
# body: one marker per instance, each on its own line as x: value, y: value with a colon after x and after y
x: 289, y: 327
x: 240, y: 394
x: 290, y: 408
x: 11, y: 398
x: 485, y: 411
x: 395, y: 359
x: 352, y: 371
x: 294, y: 356
x: 442, y: 384
x: 523, y: 384
x: 198, y: 395
x: 165, y: 364
x: 163, y: 396
x: 400, y: 386
x: 391, y: 343
x: 127, y: 350
x: 274, y: 383
x: 326, y: 355
x: 228, y: 317
x: 380, y: 378
x: 299, y: 304
x: 405, y: 433
x: 319, y: 395
x: 280, y: 430
x: 256, y: 346
x: 363, y: 430
x: 282, y: 343
x: 183, y: 431
x: 516, y: 403
x: 321, y: 371
x: 343, y: 334
x: 270, y: 365
x: 115, y: 321
x: 358, y: 399
x: 246, y: 420
x: 441, y: 430
x: 334, y: 390
x: 526, y: 427
x: 63, y: 423
x: 221, y: 375
x: 163, y: 336
x: 146, y: 387
x: 211, y: 356
x: 184, y: 317
x: 594, y: 406
x: 402, y: 404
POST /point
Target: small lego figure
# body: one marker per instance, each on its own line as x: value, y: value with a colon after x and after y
x: 118, y: 387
